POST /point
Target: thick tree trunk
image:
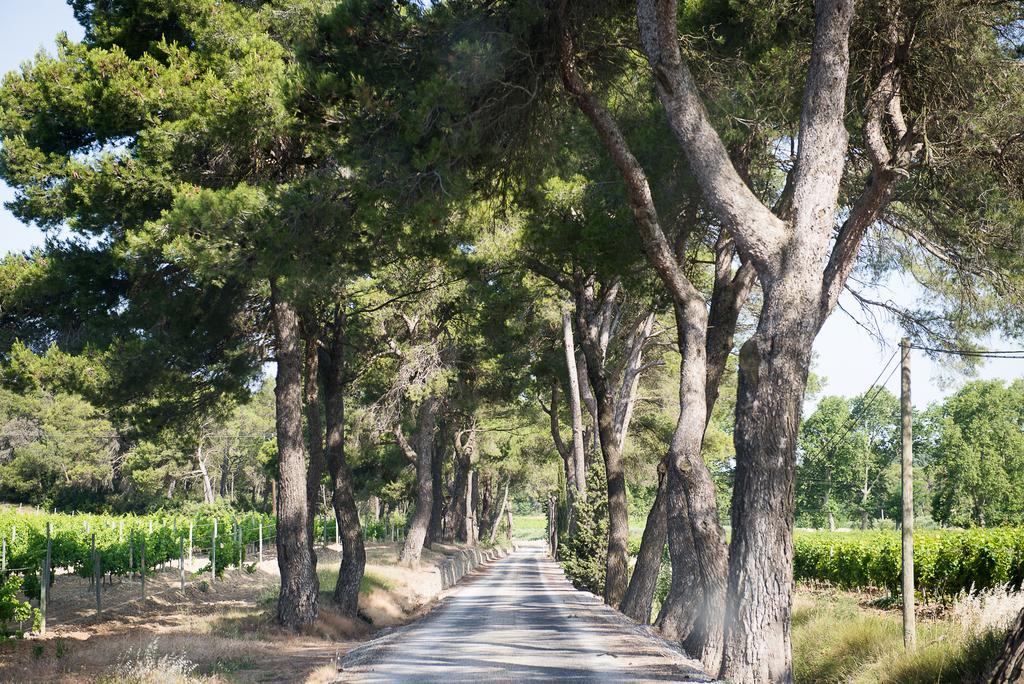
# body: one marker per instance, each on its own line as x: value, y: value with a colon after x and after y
x: 436, y: 526
x: 1009, y: 666
x: 774, y: 365
x: 678, y: 613
x: 314, y: 428
x: 424, y: 448
x: 297, y: 602
x: 688, y: 470
x: 353, y: 552
x: 640, y: 592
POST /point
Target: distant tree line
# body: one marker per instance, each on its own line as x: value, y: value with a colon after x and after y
x: 968, y: 458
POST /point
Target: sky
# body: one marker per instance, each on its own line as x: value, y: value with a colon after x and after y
x: 846, y: 355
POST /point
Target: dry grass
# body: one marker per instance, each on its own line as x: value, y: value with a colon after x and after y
x: 839, y: 638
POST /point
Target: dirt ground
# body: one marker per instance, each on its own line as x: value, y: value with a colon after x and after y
x: 213, y: 632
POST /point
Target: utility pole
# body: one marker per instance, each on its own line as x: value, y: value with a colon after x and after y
x: 907, y: 494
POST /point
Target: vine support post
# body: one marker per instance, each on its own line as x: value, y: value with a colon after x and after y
x: 142, y: 565
x: 907, y: 495
x: 44, y: 584
x: 261, y: 542
x: 213, y: 553
x: 181, y: 561
x: 190, y: 523
x: 97, y: 576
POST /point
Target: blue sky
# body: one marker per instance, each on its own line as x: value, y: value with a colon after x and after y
x: 846, y: 355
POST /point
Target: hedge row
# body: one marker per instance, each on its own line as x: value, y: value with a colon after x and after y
x: 946, y: 563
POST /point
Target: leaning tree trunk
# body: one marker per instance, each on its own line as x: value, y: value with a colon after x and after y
x: 503, y: 510
x: 353, y: 552
x: 297, y: 602
x: 1009, y: 666
x: 424, y: 449
x: 640, y: 592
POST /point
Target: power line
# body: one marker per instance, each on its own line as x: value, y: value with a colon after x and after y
x: 977, y: 353
x: 869, y: 400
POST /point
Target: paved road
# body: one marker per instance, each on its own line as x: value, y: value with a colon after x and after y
x: 516, y: 620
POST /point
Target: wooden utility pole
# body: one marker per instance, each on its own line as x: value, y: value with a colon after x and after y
x: 909, y: 628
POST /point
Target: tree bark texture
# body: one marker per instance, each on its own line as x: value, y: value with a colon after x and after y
x: 1009, y: 666
x: 424, y: 449
x: 642, y: 583
x: 297, y: 602
x: 353, y: 552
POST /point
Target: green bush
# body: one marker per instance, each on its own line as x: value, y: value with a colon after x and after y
x: 946, y: 563
x: 584, y: 555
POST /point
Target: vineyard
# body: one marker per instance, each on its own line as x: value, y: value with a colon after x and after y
x: 946, y: 563
x: 102, y: 548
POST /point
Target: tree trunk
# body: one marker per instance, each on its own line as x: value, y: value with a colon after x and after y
x: 678, y: 613
x: 566, y: 453
x: 488, y: 516
x: 353, y: 552
x: 1009, y: 666
x: 314, y: 429
x: 640, y: 592
x: 225, y: 472
x: 773, y: 370
x: 424, y: 449
x: 577, y: 462
x: 501, y: 511
x: 456, y: 514
x: 472, y: 505
x: 207, y: 484
x: 617, y: 565
x: 297, y: 602
x: 436, y: 526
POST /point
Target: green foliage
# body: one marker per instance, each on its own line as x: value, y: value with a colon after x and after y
x: 12, y: 608
x: 946, y: 563
x: 847, y: 448
x: 120, y: 540
x: 976, y: 455
x: 584, y: 555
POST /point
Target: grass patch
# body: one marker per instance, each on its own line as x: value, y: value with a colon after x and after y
x: 329, y: 577
x: 837, y: 640
x: 529, y: 527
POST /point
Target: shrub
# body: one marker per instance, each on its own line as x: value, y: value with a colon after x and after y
x: 12, y: 608
x: 583, y: 556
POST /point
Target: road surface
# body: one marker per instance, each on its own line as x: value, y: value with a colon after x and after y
x: 516, y: 620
